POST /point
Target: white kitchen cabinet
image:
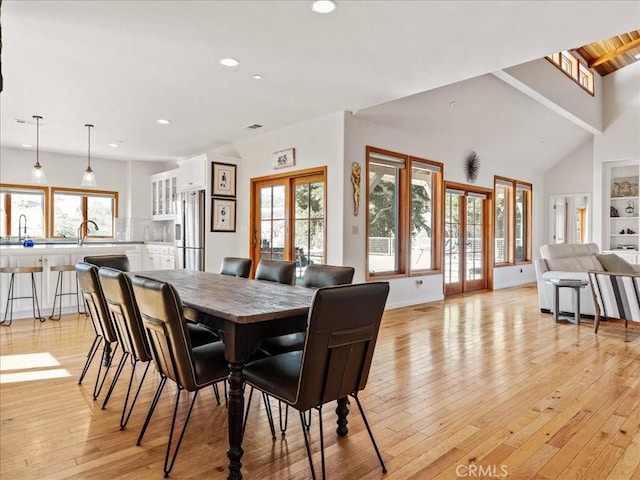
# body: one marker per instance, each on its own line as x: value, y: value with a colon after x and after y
x: 159, y: 257
x: 164, y: 194
x: 192, y: 173
x: 45, y: 283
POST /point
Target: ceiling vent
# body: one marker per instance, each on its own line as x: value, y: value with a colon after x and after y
x: 255, y: 126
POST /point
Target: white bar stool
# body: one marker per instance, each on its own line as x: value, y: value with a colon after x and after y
x: 57, y: 298
x: 10, y: 296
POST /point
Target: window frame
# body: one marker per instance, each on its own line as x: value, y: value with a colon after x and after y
x: 84, y: 194
x: 8, y: 188
x: 404, y: 220
x: 510, y: 213
x: 578, y: 69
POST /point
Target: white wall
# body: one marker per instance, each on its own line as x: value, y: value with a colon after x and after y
x: 129, y: 178
x: 448, y: 149
x: 620, y: 139
x: 317, y: 142
x: 553, y: 88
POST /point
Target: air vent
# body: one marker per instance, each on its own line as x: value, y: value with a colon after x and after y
x: 21, y: 121
x: 255, y: 126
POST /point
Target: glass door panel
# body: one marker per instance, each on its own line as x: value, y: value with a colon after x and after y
x: 452, y: 249
x: 308, y: 224
x: 271, y: 235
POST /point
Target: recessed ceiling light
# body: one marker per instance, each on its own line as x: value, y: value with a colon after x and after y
x: 163, y: 121
x: 324, y: 6
x: 113, y: 145
x: 257, y: 76
x: 229, y: 62
x: 26, y: 145
x: 637, y: 56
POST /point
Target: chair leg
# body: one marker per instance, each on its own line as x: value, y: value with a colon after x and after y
x: 306, y: 444
x: 152, y: 407
x: 283, y: 426
x: 216, y: 392
x: 9, y: 302
x: 34, y: 300
x: 116, y: 376
x: 168, y: 467
x: 124, y: 419
x: 56, y: 296
x: 596, y: 323
x: 366, y: 424
x: 100, y: 383
x: 92, y: 352
x: 267, y: 407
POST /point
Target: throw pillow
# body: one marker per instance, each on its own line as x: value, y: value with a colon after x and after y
x: 613, y: 263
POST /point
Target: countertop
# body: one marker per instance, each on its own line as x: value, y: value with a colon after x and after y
x: 44, y: 248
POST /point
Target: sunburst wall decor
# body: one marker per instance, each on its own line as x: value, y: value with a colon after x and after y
x: 472, y: 166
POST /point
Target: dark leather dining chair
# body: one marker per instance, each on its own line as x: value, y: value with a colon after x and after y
x: 315, y: 276
x: 122, y: 305
x: 341, y: 336
x: 191, y: 368
x: 279, y: 271
x: 237, y: 267
x: 101, y: 320
x: 119, y: 262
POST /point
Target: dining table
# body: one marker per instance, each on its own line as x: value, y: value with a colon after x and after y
x: 244, y: 311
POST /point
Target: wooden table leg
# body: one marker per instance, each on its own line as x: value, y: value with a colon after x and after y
x: 342, y: 411
x: 236, y: 411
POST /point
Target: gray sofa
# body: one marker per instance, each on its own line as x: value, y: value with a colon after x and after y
x: 571, y: 261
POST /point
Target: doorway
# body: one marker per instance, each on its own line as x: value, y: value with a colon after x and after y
x: 288, y: 218
x: 467, y: 230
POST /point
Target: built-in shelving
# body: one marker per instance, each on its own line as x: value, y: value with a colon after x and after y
x: 623, y: 200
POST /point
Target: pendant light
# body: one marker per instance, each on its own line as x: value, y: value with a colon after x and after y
x: 89, y: 178
x: 37, y: 172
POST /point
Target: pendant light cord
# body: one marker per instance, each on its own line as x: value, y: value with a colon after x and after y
x: 37, y: 117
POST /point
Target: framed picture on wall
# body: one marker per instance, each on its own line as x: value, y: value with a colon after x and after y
x: 223, y: 215
x: 223, y: 179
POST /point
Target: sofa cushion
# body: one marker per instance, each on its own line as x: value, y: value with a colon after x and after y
x: 614, y: 263
x: 581, y: 263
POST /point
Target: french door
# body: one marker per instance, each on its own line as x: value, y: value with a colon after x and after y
x: 288, y: 218
x: 466, y: 253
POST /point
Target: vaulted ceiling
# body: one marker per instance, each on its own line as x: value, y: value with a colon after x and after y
x: 611, y: 54
x: 123, y: 65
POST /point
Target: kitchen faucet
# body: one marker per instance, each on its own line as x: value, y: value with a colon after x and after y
x: 82, y: 234
x: 22, y: 229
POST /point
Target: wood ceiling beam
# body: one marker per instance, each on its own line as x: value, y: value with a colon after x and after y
x: 614, y: 53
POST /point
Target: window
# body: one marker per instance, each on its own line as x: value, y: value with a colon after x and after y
x: 573, y: 66
x: 404, y: 214
x: 513, y: 200
x: 71, y: 207
x: 18, y: 200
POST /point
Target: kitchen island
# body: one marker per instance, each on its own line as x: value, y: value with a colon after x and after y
x: 49, y: 254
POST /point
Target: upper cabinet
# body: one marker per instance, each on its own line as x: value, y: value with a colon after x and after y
x: 621, y: 191
x: 164, y: 193
x: 192, y: 173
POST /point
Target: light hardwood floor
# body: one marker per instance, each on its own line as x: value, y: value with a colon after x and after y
x: 478, y: 386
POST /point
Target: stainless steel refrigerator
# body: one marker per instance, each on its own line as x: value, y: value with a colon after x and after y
x: 189, y: 230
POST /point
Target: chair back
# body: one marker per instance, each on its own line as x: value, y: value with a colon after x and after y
x: 118, y: 293
x: 119, y: 262
x: 238, y: 267
x: 341, y: 337
x: 94, y: 298
x: 278, y: 271
x: 161, y: 311
x: 617, y: 295
x: 318, y: 276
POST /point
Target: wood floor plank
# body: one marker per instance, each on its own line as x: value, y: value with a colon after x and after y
x: 474, y: 381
